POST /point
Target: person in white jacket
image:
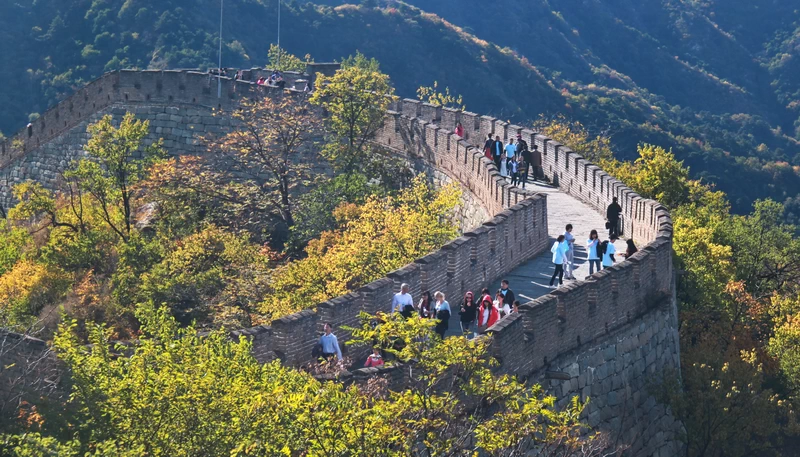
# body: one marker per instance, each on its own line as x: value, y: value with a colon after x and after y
x: 591, y: 246
x: 559, y: 251
x: 569, y: 258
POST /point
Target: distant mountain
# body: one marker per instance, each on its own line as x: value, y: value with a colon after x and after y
x: 717, y: 80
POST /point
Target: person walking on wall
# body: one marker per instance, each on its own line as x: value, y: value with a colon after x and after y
x: 459, y: 130
x: 511, y: 149
x: 425, y: 306
x: 469, y: 310
x: 631, y: 249
x: 536, y: 163
x: 569, y: 258
x: 612, y: 215
x: 442, y: 313
x: 522, y: 145
x: 523, y: 166
x: 503, y: 165
x: 497, y: 151
x: 608, y: 250
x: 330, y: 344
x: 488, y: 146
x: 591, y: 246
x: 559, y: 250
x: 487, y: 314
x: 402, y: 301
x: 514, y: 168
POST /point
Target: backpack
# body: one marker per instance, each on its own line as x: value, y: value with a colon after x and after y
x: 601, y: 249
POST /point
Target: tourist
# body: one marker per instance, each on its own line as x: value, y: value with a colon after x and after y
x: 498, y: 303
x: 511, y: 149
x: 569, y: 258
x: 536, y: 163
x: 375, y: 359
x: 591, y: 245
x: 425, y: 306
x: 497, y: 151
x: 508, y: 294
x: 460, y: 130
x: 612, y: 215
x: 515, y: 307
x: 402, y: 300
x: 487, y: 314
x: 559, y: 250
x: 522, y: 166
x: 608, y: 250
x: 260, y: 81
x: 488, y: 146
x: 631, y: 250
x: 307, y: 88
x: 442, y: 313
x: 469, y: 309
x: 329, y: 343
x: 522, y: 145
x: 503, y: 165
x: 513, y: 165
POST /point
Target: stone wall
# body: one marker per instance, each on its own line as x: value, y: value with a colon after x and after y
x: 617, y: 310
x: 617, y: 374
x: 620, y: 324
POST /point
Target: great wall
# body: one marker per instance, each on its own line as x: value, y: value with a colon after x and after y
x: 609, y: 337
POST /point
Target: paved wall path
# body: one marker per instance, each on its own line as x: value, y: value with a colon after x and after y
x: 531, y: 280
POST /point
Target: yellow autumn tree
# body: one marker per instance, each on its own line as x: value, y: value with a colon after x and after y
x: 380, y: 236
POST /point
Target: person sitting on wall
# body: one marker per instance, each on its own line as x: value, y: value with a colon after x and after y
x: 375, y: 359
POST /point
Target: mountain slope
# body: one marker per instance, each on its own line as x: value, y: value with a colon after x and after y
x: 604, y: 63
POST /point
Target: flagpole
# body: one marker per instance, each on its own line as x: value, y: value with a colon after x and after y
x: 219, y: 68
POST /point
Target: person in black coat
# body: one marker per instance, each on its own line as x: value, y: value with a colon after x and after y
x: 612, y: 214
x: 468, y: 313
x: 508, y: 294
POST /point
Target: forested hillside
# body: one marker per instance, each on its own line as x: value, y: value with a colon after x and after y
x: 716, y: 81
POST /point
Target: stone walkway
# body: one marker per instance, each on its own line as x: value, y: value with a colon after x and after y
x: 531, y: 280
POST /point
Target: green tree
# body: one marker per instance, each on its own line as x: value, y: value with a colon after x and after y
x: 281, y: 60
x: 356, y: 98
x: 432, y: 95
x: 178, y: 393
x: 375, y: 238
x: 113, y: 168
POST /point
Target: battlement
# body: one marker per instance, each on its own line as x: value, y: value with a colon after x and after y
x: 581, y: 311
x: 566, y: 320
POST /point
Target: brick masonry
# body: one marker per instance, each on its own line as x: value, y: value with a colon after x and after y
x: 605, y: 313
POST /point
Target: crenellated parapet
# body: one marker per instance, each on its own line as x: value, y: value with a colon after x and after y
x: 624, y: 302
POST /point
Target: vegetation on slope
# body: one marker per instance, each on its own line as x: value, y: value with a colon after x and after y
x: 663, y: 73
